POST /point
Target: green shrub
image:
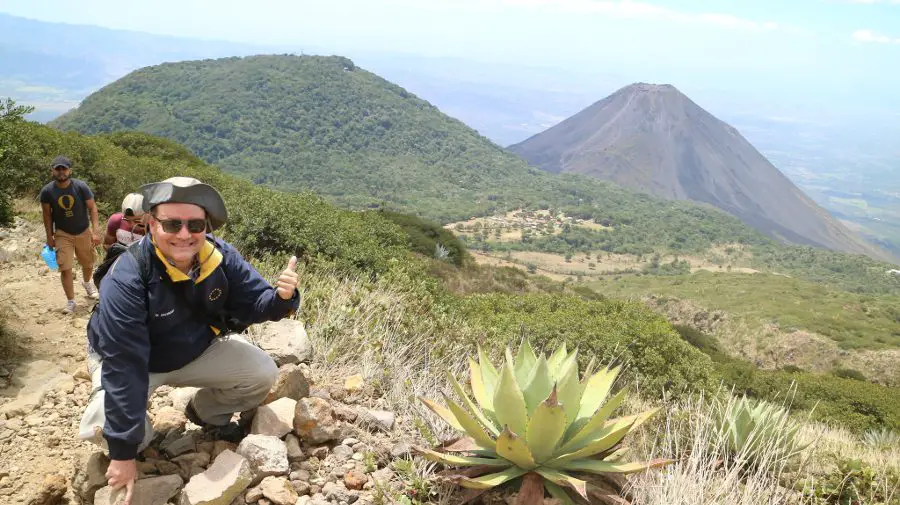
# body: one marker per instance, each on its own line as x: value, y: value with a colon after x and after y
x: 260, y: 220
x: 853, y: 482
x: 703, y: 341
x: 849, y: 373
x: 624, y: 332
x: 856, y: 405
x: 425, y: 236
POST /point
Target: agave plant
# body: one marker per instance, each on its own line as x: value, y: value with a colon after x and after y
x: 881, y: 439
x: 759, y: 433
x: 537, y: 419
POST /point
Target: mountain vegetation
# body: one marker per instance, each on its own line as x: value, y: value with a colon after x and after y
x: 375, y: 251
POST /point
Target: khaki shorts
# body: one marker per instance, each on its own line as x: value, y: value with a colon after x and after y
x: 79, y: 246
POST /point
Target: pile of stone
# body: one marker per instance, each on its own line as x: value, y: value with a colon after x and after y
x: 300, y: 447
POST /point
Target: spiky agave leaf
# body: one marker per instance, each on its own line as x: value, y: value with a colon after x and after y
x: 512, y: 447
x: 554, y: 421
x: 524, y: 362
x: 545, y: 428
x: 455, y: 460
x: 509, y: 401
x: 470, y: 425
x: 471, y: 407
x: 479, y: 390
x: 538, y: 386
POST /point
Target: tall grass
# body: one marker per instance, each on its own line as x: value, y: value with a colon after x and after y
x: 379, y: 330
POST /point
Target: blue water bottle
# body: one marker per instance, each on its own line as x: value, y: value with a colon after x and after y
x: 49, y: 256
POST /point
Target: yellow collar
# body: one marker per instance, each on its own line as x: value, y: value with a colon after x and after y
x: 210, y: 256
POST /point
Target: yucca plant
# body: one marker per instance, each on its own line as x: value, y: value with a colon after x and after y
x: 759, y: 433
x: 537, y: 419
x: 881, y: 439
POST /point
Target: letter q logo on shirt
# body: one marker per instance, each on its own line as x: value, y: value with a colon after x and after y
x: 66, y: 202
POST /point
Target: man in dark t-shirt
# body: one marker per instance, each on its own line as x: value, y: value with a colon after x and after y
x: 66, y: 204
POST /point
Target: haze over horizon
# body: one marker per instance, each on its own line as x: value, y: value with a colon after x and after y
x: 768, y: 57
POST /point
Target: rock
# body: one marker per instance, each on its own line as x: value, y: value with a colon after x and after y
x: 345, y: 413
x: 221, y: 446
x: 275, y: 419
x: 320, y: 452
x: 267, y: 456
x: 238, y: 501
x: 313, y: 421
x: 291, y: 383
x: 380, y: 419
x: 302, y: 475
x: 206, y: 447
x: 167, y: 467
x: 383, y: 475
x: 294, y: 452
x: 168, y: 419
x: 355, y: 479
x: 400, y: 450
x: 152, y: 491
x: 342, y: 453
x: 145, y: 468
x: 279, y: 490
x: 335, y: 491
x: 286, y: 341
x: 319, y: 393
x: 191, y: 464
x: 180, y: 445
x: 51, y: 492
x: 90, y: 476
x: 228, y: 476
x: 253, y: 494
x: 354, y: 383
x: 301, y: 487
x: 33, y: 381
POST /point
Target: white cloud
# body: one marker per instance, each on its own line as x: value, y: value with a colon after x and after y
x: 872, y: 37
x: 633, y: 9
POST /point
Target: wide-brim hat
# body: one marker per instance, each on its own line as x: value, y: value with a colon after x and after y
x: 187, y: 190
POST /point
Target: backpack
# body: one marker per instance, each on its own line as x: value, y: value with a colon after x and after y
x: 220, y: 320
x: 113, y: 253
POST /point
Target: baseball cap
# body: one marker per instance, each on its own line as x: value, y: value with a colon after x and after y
x: 133, y: 205
x: 61, y: 161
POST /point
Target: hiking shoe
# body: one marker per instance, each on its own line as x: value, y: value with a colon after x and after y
x: 91, y: 290
x: 70, y: 307
x: 231, y: 432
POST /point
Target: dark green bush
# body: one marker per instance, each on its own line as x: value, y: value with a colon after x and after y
x: 705, y: 342
x: 612, y: 331
x: 849, y: 373
x: 426, y: 236
x: 856, y: 405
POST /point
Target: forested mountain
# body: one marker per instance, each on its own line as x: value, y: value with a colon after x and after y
x: 653, y: 138
x: 321, y: 123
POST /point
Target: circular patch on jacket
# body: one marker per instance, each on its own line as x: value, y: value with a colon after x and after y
x: 215, y: 294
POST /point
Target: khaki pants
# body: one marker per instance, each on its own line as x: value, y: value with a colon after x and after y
x: 68, y: 245
x: 234, y: 375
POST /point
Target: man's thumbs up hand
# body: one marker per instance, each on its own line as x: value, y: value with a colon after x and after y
x: 287, y: 283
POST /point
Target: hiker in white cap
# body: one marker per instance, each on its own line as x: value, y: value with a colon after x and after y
x: 129, y: 225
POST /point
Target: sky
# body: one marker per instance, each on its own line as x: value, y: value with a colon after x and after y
x: 808, y: 52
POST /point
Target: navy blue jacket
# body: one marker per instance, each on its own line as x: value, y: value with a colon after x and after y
x: 138, y: 331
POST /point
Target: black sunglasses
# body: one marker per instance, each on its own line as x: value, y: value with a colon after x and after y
x: 175, y: 225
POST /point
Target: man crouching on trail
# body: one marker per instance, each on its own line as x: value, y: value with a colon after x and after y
x: 165, y: 312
